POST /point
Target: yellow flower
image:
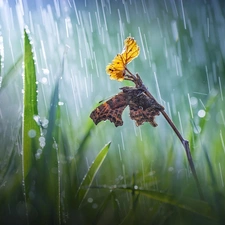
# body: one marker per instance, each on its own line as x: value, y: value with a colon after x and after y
x: 116, y: 69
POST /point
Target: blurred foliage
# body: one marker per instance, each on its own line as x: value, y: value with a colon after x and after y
x: 145, y: 177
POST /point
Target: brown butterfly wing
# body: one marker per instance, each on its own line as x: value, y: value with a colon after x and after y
x: 111, y: 110
x: 144, y: 109
x: 141, y: 116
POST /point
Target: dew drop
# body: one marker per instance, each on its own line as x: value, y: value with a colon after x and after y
x: 42, y: 139
x: 60, y: 103
x: 37, y: 156
x: 193, y: 101
x: 90, y: 200
x: 39, y: 151
x: 42, y: 144
x: 31, y: 133
x: 37, y: 119
x: 201, y: 113
x: 44, y: 80
x: 45, y: 71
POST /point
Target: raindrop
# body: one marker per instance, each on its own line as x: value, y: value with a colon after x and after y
x: 37, y: 156
x: 193, y: 101
x: 122, y: 139
x: 171, y: 169
x: 175, y: 30
x: 39, y: 151
x: 183, y: 14
x: 90, y: 200
x: 119, y: 152
x: 45, y: 123
x: 60, y: 103
x: 135, y: 187
x: 42, y: 144
x: 41, y: 139
x: 37, y: 119
x: 68, y: 25
x: 201, y: 113
x: 45, y: 71
x: 44, y: 80
x: 31, y: 133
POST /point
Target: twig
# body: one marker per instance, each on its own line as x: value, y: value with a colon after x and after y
x: 139, y: 84
x: 185, y: 143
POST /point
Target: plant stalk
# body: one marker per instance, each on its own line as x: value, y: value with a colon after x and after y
x: 139, y: 84
x: 185, y: 143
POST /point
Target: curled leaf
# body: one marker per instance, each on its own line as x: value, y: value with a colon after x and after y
x: 116, y: 69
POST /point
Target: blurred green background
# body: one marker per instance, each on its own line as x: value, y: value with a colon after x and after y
x: 182, y: 64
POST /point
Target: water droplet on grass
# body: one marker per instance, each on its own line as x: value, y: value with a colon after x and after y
x: 193, y: 101
x: 31, y: 133
x: 201, y: 113
x: 90, y: 200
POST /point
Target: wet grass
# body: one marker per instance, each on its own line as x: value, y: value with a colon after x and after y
x: 66, y: 173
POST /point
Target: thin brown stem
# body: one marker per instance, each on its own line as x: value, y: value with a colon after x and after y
x: 139, y: 84
x: 185, y: 143
x: 129, y: 72
x: 172, y: 126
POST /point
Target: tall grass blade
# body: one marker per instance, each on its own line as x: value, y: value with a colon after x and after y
x: 30, y: 129
x: 51, y: 156
x: 90, y: 175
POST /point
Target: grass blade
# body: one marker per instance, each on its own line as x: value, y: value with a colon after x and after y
x: 51, y: 152
x: 90, y: 175
x: 30, y: 129
x: 192, y: 205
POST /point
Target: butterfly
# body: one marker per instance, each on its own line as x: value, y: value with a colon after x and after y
x: 116, y: 69
x: 142, y: 107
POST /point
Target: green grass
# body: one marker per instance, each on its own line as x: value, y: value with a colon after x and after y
x: 71, y: 175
